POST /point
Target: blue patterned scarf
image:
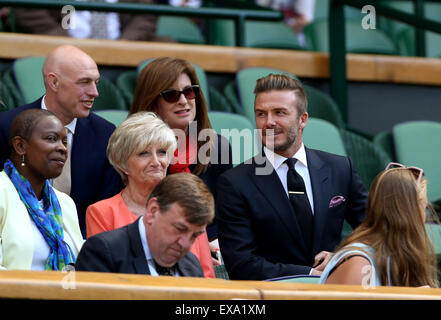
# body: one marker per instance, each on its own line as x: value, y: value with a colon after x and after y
x: 49, y: 218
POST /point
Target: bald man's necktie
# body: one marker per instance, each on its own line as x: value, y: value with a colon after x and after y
x: 299, y: 201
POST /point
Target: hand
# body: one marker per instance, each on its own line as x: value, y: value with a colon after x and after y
x: 321, y: 260
x: 214, y: 253
x: 315, y: 272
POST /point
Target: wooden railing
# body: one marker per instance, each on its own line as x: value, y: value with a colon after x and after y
x: 370, y: 68
x: 104, y: 286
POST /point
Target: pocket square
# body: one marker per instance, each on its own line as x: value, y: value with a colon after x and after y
x: 335, y: 201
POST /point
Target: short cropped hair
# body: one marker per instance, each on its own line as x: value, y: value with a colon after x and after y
x: 139, y: 132
x: 283, y: 82
x: 190, y: 192
x: 24, y: 124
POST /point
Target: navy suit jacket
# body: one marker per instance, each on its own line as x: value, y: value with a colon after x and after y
x: 120, y: 251
x: 259, y: 235
x: 93, y: 178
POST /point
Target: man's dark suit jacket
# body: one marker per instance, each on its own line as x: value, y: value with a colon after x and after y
x: 259, y: 235
x: 93, y: 178
x: 121, y: 251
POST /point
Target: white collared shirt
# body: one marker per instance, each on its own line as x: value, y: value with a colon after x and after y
x: 145, y: 246
x: 70, y: 126
x: 301, y: 167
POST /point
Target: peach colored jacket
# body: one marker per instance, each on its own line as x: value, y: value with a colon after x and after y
x: 112, y: 213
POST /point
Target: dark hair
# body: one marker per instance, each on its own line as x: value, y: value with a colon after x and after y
x: 190, y: 192
x: 283, y: 82
x: 24, y: 124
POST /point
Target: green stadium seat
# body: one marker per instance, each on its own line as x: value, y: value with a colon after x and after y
x: 218, y: 101
x: 200, y: 74
x: 258, y: 34
x: 225, y: 123
x: 368, y: 158
x: 126, y: 83
x: 114, y: 116
x: 181, y: 29
x: 231, y: 95
x: 297, y: 279
x: 358, y: 40
x: 323, y: 135
x: 29, y: 77
x: 385, y: 141
x: 417, y: 143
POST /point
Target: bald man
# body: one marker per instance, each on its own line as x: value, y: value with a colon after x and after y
x: 70, y: 78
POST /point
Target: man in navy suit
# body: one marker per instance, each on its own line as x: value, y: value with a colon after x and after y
x: 177, y: 212
x: 262, y: 232
x: 70, y: 79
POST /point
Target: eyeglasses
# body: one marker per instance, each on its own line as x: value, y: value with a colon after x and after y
x: 418, y: 172
x: 172, y: 95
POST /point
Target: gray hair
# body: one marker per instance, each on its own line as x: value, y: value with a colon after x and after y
x: 139, y: 132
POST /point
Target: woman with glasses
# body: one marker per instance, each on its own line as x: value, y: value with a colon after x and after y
x: 171, y: 88
x: 391, y: 247
x: 39, y: 227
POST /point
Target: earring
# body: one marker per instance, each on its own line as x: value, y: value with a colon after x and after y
x: 23, y: 164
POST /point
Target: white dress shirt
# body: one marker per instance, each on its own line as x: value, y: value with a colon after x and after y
x: 301, y: 167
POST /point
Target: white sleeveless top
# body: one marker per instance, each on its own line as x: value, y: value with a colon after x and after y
x: 371, y: 277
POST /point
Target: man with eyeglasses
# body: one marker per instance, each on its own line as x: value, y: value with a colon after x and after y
x: 285, y: 221
x: 70, y: 79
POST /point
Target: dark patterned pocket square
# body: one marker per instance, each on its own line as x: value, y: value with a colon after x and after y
x: 335, y: 201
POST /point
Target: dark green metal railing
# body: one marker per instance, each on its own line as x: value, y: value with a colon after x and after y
x: 238, y: 15
x: 337, y: 44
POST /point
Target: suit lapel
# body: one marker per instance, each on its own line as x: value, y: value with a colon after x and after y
x: 139, y: 259
x: 319, y: 174
x: 272, y: 190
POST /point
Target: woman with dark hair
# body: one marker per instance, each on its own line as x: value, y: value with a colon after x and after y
x: 170, y: 88
x: 39, y: 224
x: 391, y: 247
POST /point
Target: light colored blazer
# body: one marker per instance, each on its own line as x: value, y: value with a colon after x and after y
x: 16, y: 236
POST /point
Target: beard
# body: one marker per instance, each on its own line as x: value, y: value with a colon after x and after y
x: 291, y: 139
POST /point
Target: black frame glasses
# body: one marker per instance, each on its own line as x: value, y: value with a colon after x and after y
x: 173, y: 95
x: 418, y: 172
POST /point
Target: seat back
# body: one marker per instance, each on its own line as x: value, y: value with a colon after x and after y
x: 181, y: 29
x: 358, y: 40
x: 367, y: 157
x: 200, y: 73
x: 323, y: 135
x: 28, y: 74
x: 126, y: 83
x: 258, y: 34
x: 303, y: 278
x: 114, y: 116
x: 239, y: 131
x: 417, y: 143
x: 322, y: 106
